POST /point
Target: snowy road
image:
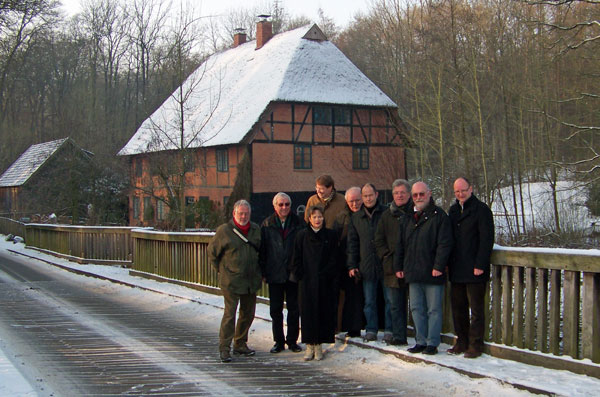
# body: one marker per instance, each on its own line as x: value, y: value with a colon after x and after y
x: 75, y: 336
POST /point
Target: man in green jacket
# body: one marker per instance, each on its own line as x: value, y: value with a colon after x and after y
x: 233, y: 252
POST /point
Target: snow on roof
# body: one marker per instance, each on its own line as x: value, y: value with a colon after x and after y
x: 29, y: 162
x: 227, y: 94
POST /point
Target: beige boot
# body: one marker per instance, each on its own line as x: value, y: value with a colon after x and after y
x: 310, y: 352
x: 318, y: 352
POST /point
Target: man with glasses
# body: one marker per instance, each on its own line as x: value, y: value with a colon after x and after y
x: 233, y: 252
x: 350, y: 303
x: 278, y: 233
x: 473, y: 226
x: 386, y: 238
x: 422, y: 253
x: 363, y: 260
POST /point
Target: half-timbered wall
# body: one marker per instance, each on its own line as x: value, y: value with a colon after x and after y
x: 331, y: 141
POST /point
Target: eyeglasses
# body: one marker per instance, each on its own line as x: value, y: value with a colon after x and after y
x: 283, y: 204
x: 419, y: 194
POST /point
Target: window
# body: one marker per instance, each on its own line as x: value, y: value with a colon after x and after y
x: 321, y: 115
x: 189, y: 162
x: 222, y: 160
x: 302, y: 157
x: 148, y: 209
x: 160, y: 210
x: 136, y: 207
x: 189, y: 200
x: 138, y: 167
x: 360, y: 158
x: 342, y: 116
x: 328, y: 115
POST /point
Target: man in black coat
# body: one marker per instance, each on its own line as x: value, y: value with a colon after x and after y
x: 422, y: 254
x: 278, y: 233
x: 363, y: 260
x: 473, y: 227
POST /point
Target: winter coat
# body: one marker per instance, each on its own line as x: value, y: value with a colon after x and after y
x: 361, y: 243
x: 275, y: 249
x: 314, y: 264
x: 473, y: 228
x: 386, y: 238
x: 423, y: 245
x: 331, y: 209
x: 236, y: 261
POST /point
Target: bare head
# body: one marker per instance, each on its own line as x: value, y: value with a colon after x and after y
x: 353, y: 198
x: 315, y: 216
x: 324, y: 186
x: 401, y: 192
x: 282, y: 203
x: 241, y: 212
x: 421, y: 195
x: 462, y: 190
x: 369, y: 195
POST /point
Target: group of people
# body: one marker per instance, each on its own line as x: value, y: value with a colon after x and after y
x: 331, y: 267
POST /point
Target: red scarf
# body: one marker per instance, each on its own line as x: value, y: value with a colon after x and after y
x: 243, y: 229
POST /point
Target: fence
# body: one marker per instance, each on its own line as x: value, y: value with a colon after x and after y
x: 83, y: 244
x: 544, y: 301
x: 9, y: 226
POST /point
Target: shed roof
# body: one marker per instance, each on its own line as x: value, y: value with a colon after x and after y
x: 29, y: 162
x: 227, y: 94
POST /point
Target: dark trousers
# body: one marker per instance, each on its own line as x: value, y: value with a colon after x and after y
x: 287, y: 291
x: 469, y: 331
x: 230, y: 330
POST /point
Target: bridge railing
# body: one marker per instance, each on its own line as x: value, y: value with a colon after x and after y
x: 10, y: 226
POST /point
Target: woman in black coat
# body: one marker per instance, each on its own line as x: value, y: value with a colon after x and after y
x: 314, y: 265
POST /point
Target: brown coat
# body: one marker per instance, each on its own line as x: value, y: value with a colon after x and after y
x: 333, y: 207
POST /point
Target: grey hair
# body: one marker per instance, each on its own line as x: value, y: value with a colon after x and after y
x: 401, y: 182
x: 350, y: 189
x: 281, y: 195
x: 241, y: 202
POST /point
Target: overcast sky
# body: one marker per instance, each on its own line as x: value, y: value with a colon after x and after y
x: 341, y: 11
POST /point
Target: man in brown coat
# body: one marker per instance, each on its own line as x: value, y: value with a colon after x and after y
x: 233, y: 252
x: 328, y: 198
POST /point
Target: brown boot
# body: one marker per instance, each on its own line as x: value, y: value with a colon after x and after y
x: 310, y: 352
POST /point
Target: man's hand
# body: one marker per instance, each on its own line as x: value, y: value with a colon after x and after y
x: 353, y: 272
x: 400, y: 274
x: 477, y: 272
x: 436, y: 273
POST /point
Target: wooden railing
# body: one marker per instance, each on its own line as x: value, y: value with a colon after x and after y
x: 10, y: 226
x: 179, y: 256
x: 546, y: 301
x: 84, y: 244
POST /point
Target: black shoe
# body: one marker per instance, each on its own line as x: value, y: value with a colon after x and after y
x: 430, y: 350
x: 225, y: 356
x: 417, y: 348
x: 398, y: 342
x: 244, y: 350
x: 456, y: 350
x: 277, y: 348
x: 472, y: 353
x: 294, y: 347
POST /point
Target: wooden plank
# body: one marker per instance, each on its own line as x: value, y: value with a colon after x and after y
x: 518, y: 306
x: 546, y: 260
x: 507, y: 337
x: 590, y: 335
x: 496, y: 303
x: 554, y: 330
x: 530, y: 312
x: 542, y: 310
x: 571, y: 314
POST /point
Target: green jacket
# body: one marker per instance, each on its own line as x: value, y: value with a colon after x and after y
x: 235, y: 260
x: 386, y: 238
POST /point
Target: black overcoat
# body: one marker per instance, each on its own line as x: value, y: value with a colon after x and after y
x: 314, y: 265
x: 361, y: 251
x: 277, y: 246
x: 423, y: 245
x: 473, y: 228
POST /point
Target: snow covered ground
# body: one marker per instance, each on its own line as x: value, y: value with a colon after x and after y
x: 355, y: 361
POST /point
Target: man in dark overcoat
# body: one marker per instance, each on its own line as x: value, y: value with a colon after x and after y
x: 422, y: 254
x: 278, y: 232
x: 386, y: 238
x: 351, y: 300
x: 473, y: 227
x: 363, y: 260
x: 233, y: 252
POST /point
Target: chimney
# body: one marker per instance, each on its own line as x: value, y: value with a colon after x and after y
x: 239, y: 37
x: 264, y: 31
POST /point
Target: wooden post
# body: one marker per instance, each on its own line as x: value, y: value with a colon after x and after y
x: 571, y: 314
x: 530, y: 312
x: 542, y: 319
x: 507, y: 312
x: 496, y: 304
x: 518, y: 303
x: 555, y: 311
x: 590, y: 335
